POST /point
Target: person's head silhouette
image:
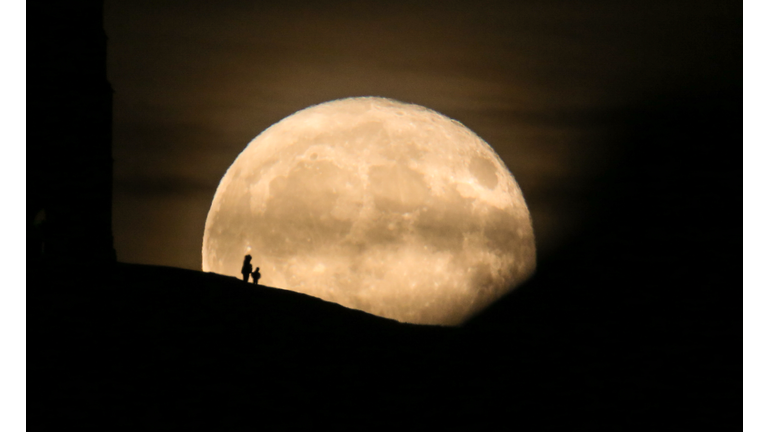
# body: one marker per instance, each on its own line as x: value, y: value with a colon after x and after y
x: 247, y: 258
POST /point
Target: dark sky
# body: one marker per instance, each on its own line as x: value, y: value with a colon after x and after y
x: 549, y: 85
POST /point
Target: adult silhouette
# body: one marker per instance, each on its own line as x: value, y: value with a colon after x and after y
x: 256, y: 276
x: 247, y: 267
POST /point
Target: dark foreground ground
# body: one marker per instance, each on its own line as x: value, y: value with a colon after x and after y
x: 155, y: 348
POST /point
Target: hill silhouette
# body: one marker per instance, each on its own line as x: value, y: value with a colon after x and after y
x: 160, y: 348
x: 157, y: 344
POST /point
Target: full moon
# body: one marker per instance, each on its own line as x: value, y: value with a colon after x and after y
x: 378, y: 205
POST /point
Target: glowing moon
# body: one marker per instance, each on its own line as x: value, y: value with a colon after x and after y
x: 377, y: 205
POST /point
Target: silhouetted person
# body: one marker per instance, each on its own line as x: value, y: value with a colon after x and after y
x: 247, y: 267
x: 256, y: 276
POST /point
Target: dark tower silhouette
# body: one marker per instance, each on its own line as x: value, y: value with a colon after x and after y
x: 69, y: 144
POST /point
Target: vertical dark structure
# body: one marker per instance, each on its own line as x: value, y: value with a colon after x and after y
x: 69, y: 132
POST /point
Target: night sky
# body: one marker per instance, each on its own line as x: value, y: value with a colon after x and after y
x: 550, y: 85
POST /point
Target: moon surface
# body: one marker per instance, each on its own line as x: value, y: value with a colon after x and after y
x: 377, y: 205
